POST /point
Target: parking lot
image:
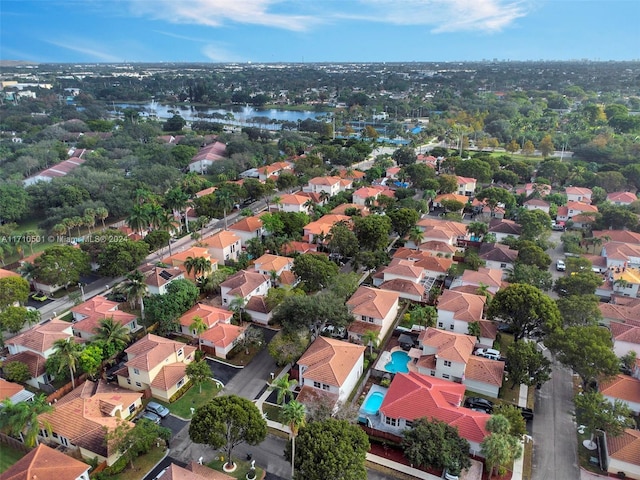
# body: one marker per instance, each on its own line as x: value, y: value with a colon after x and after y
x: 220, y: 371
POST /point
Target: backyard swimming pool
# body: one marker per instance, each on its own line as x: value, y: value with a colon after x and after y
x: 399, y: 362
x: 372, y: 403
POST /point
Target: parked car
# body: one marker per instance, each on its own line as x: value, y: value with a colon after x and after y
x: 489, y: 353
x: 526, y: 413
x: 117, y: 297
x: 479, y: 402
x: 158, y: 409
x: 39, y: 296
x: 152, y: 417
x: 560, y: 266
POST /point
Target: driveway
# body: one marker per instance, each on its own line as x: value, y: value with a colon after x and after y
x: 174, y: 424
x: 222, y: 371
x: 153, y: 474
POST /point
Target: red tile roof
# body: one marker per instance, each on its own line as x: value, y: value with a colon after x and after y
x: 330, y: 361
x: 465, y: 307
x: 484, y: 370
x: 209, y: 314
x: 244, y: 282
x: 35, y: 362
x: 626, y: 447
x: 40, y: 338
x: 412, y: 396
x: 455, y: 347
x: 43, y: 463
x: 223, y: 334
x: 373, y: 302
x: 8, y: 389
x: 622, y: 387
x: 151, y: 350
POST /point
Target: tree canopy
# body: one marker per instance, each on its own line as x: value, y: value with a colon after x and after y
x: 61, y: 265
x: 314, y: 271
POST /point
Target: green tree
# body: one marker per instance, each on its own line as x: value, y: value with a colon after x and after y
x: 578, y: 283
x: 16, y: 371
x: 478, y: 229
x: 372, y: 231
x: 535, y: 224
x: 596, y: 413
x: 495, y: 196
x: 294, y: 415
x: 526, y: 309
x: 402, y: 220
x: 226, y: 422
x: 577, y: 264
x: 342, y: 240
x: 586, y: 350
x: 531, y: 254
x: 200, y: 266
x: 579, y: 310
x: 527, y: 365
x: 521, y: 273
x: 178, y: 201
x: 314, y: 271
x: 118, y: 258
x: 114, y: 335
x: 447, y: 183
x: 14, y: 201
x: 517, y: 423
x: 13, y: 318
x: 435, y: 444
x: 133, y: 441
x: 198, y: 372
x: 21, y: 419
x: 90, y: 359
x: 546, y: 146
x: 475, y: 168
x: 283, y: 386
x: 499, y: 448
x: 136, y: 289
x: 331, y: 449
x: 344, y: 285
x: 404, y: 156
x: 287, y: 348
x: 67, y: 352
x: 62, y: 265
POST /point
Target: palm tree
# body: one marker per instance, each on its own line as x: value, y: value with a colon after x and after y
x: 138, y: 218
x: 89, y: 218
x: 68, y: 225
x: 112, y: 333
x: 102, y: 213
x: 283, y: 386
x: 30, y: 237
x: 77, y: 222
x: 478, y: 229
x: 32, y: 317
x: 136, y: 289
x: 294, y: 415
x: 16, y: 417
x: 200, y: 266
x: 277, y: 201
x: 155, y: 215
x: 168, y: 223
x: 59, y: 229
x: 28, y: 271
x: 371, y: 338
x: 197, y: 327
x: 69, y: 353
x: 178, y: 201
x: 237, y: 306
x: 224, y: 200
x: 416, y: 236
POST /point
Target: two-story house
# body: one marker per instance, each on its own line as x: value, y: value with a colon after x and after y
x: 456, y: 310
x: 274, y: 170
x: 574, y: 209
x: 34, y: 346
x: 623, y: 388
x: 244, y: 284
x: 466, y: 186
x: 268, y: 263
x: 156, y: 364
x: 399, y: 269
x: 223, y: 246
x: 621, y: 255
x: 374, y: 310
x: 83, y: 418
x: 489, y: 278
x: 368, y: 196
x: 206, y: 157
x: 248, y: 228
x: 219, y: 336
x: 537, y: 204
x: 578, y: 194
x: 622, y: 198
x: 45, y: 462
x: 328, y: 185
x: 497, y: 256
x: 292, y: 202
x: 157, y: 279
x: 178, y: 260
x: 330, y: 368
x: 503, y: 228
x: 321, y: 227
x: 87, y: 316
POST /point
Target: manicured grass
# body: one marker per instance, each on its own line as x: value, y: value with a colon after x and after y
x: 240, y: 472
x: 527, y: 464
x: 141, y: 465
x: 9, y: 456
x: 584, y: 455
x: 274, y: 412
x: 193, y: 399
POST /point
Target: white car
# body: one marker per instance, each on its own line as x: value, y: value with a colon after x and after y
x: 560, y: 266
x: 489, y: 353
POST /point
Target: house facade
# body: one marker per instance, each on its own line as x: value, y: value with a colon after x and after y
x: 244, y: 284
x: 224, y: 246
x: 374, y: 309
x: 87, y: 317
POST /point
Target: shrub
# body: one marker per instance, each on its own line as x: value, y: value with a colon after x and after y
x: 181, y: 392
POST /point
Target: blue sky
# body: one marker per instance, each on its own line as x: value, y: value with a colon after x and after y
x: 317, y: 30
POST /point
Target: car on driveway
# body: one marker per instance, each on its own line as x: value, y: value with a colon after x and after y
x: 152, y: 417
x: 479, y: 403
x: 560, y: 266
x: 40, y: 296
x: 158, y: 409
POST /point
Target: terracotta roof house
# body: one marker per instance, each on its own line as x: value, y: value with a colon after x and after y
x: 342, y: 208
x: 620, y: 313
x: 291, y: 202
x: 58, y: 170
x: 207, y: 156
x: 248, y: 228
x: 406, y: 289
x: 220, y: 336
x: 371, y: 194
x: 156, y: 364
x: 434, y: 267
x: 456, y: 310
x: 400, y: 269
x: 82, y: 418
x: 179, y: 258
x: 87, y: 317
x: 350, y: 174
x: 293, y: 247
x: 489, y: 277
x: 497, y: 256
x: 329, y: 185
x: 503, y: 228
x: 374, y: 309
x: 484, y: 375
x: 622, y: 236
x: 622, y: 198
x: 412, y: 396
x: 434, y: 247
x: 193, y: 471
x: 624, y: 388
x: 205, y: 192
x: 210, y: 315
x: 626, y: 336
x: 437, y: 202
x: 244, y: 284
x: 332, y: 367
x: 158, y: 279
x: 621, y: 255
x: 44, y: 462
x: 466, y: 186
x: 258, y: 309
x: 274, y: 170
x: 441, y: 230
x: 578, y: 194
x: 623, y: 454
x: 14, y: 392
x: 573, y: 209
x: 7, y: 273
x: 322, y: 226
x: 35, y: 345
x: 224, y: 245
x: 529, y: 189
x: 268, y: 263
x: 537, y: 204
x: 446, y: 355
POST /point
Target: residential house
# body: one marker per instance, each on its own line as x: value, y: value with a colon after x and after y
x: 209, y: 314
x: 244, y: 284
x: 34, y: 346
x: 437, y: 202
x: 406, y: 289
x: 434, y: 267
x: 351, y: 174
x: 491, y: 278
x: 412, y: 396
x: 157, y: 279
x: 193, y: 471
x: 14, y: 392
x: 221, y: 338
x: 330, y: 367
x: 223, y: 246
x: 448, y: 355
x: 529, y: 189
x: 268, y: 263
x: 342, y: 209
x: 437, y: 230
x: 58, y: 170
x: 7, y: 273
x: 437, y: 248
x: 456, y: 310
x: 621, y: 309
x: 503, y: 228
x: 392, y: 172
x: 573, y: 209
x: 537, y: 204
x: 293, y: 247
x: 258, y: 309
x: 399, y: 269
x: 205, y: 192
x: 156, y: 364
x: 626, y: 337
x: 466, y: 186
x: 87, y: 317
x: 274, y: 170
x: 368, y: 196
x: 82, y: 419
x: 373, y: 309
x: 207, y: 156
x: 623, y: 388
x: 292, y: 202
x: 245, y: 230
x: 44, y: 462
x: 621, y: 255
x: 621, y: 236
x: 329, y: 185
x: 623, y: 454
x: 497, y: 255
x: 578, y: 194
x: 625, y: 281
x: 622, y: 198
x: 318, y: 230
x: 178, y: 260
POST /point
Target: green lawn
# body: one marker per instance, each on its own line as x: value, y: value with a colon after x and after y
x: 141, y: 465
x: 240, y: 472
x: 193, y: 399
x: 9, y: 456
x: 274, y: 412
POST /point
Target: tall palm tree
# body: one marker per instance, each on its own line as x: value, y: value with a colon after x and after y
x: 178, y: 201
x: 371, y: 338
x: 136, y: 289
x: 155, y: 215
x: 294, y: 415
x: 102, y: 213
x: 198, y: 327
x: 277, y: 201
x: 89, y: 218
x: 21, y: 419
x: 223, y: 199
x: 237, y: 306
x: 28, y: 271
x: 138, y: 218
x: 477, y: 229
x: 416, y: 236
x: 168, y: 224
x: 69, y: 352
x: 200, y: 266
x: 59, y: 229
x: 283, y: 386
x: 112, y: 333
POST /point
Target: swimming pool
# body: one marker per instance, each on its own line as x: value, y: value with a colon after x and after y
x: 372, y: 403
x: 399, y: 362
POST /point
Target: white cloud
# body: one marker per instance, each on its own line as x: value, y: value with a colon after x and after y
x: 216, y: 53
x: 80, y: 45
x: 216, y: 13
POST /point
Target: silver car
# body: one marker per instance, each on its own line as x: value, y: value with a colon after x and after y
x: 158, y: 409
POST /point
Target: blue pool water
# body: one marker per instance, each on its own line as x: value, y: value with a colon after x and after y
x: 372, y: 403
x: 399, y: 362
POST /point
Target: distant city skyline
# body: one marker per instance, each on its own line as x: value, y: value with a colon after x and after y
x: 88, y: 31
